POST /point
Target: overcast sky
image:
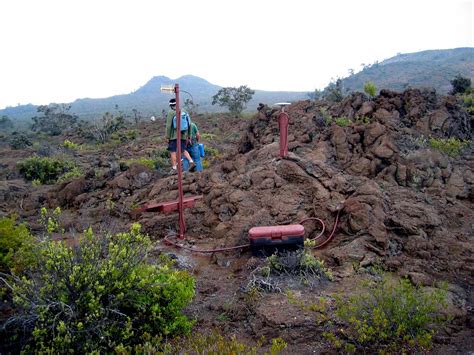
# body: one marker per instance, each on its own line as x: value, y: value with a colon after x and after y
x: 58, y: 51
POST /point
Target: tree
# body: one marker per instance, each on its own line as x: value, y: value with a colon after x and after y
x: 235, y: 99
x: 334, y: 91
x: 190, y: 106
x: 56, y: 118
x: 460, y: 85
x: 102, y: 129
x: 136, y: 116
x: 5, y: 122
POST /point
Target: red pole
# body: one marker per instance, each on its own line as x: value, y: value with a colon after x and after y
x: 283, y: 121
x: 182, y: 226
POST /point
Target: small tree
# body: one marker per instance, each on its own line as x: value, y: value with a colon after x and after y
x: 460, y: 85
x: 102, y: 129
x: 235, y: 99
x: 136, y: 116
x: 190, y: 106
x: 334, y: 91
x: 370, y: 89
x: 56, y: 118
x: 5, y: 122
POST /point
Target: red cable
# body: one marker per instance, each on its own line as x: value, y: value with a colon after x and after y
x: 330, y: 236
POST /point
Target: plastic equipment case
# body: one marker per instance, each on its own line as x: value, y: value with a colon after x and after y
x: 267, y: 240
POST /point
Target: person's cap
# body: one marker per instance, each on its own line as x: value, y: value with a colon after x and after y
x: 172, y: 102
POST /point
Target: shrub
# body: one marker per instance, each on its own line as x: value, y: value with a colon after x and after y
x: 450, y: 146
x: 16, y: 246
x: 217, y: 344
x: 19, y: 141
x: 370, y: 89
x: 460, y: 85
x: 268, y: 278
x: 391, y: 316
x: 161, y: 158
x: 56, y: 119
x: 149, y: 163
x: 70, y: 145
x: 46, y: 169
x: 99, y: 295
x: 343, y: 121
x: 69, y: 175
x: 468, y: 100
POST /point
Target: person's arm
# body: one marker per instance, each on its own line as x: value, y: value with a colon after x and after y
x: 169, y: 128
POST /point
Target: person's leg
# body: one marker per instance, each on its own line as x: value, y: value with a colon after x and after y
x: 192, y: 165
x: 172, y: 149
x: 173, y: 159
x: 194, y: 152
x: 188, y: 156
x: 185, y: 164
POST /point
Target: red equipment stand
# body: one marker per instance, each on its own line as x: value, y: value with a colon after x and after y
x: 182, y: 202
x: 283, y: 121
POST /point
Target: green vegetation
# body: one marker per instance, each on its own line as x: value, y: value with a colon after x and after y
x: 363, y: 120
x: 55, y: 120
x: 70, y: 145
x: 101, y: 130
x: 19, y: 141
x: 5, y: 122
x: 235, y: 99
x: 149, y: 163
x: 451, y: 146
x: 392, y: 316
x: 334, y: 92
x: 125, y: 136
x: 46, y: 170
x: 300, y: 263
x: 460, y: 85
x: 100, y: 295
x: 307, y: 268
x: 16, y: 246
x: 370, y: 89
x: 217, y: 344
x: 342, y: 121
x: 74, y: 173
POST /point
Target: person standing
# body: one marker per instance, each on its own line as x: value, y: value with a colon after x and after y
x: 171, y: 134
x: 193, y: 149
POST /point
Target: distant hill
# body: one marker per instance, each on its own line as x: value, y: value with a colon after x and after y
x: 148, y: 99
x: 433, y: 68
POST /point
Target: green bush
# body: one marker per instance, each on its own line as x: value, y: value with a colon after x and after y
x: 218, y: 344
x: 16, y: 246
x: 149, y: 163
x: 343, y: 121
x: 370, y: 89
x: 71, y: 145
x: 99, y: 295
x: 19, y: 141
x: 69, y: 175
x: 46, y: 170
x: 393, y: 316
x: 450, y: 146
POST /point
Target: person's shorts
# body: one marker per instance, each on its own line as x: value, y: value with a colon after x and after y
x: 172, y: 146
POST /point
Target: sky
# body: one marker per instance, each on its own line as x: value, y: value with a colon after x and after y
x: 62, y: 50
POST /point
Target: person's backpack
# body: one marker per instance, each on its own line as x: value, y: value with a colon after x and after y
x: 185, y: 122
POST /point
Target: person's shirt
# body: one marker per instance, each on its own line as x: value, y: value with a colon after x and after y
x: 194, y: 133
x: 171, y: 131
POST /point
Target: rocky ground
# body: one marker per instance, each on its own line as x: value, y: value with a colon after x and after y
x: 405, y: 207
